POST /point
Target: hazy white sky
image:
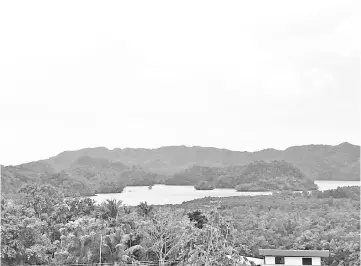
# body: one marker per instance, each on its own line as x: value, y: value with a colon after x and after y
x: 242, y: 75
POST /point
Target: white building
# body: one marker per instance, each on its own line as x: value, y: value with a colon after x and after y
x: 293, y: 257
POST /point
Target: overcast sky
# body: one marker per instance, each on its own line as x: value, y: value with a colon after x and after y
x: 242, y: 75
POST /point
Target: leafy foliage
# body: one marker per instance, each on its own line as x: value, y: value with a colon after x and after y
x: 41, y: 199
x: 208, y: 231
x: 145, y: 209
x: 340, y: 192
x: 197, y: 217
x: 204, y: 185
x: 110, y: 208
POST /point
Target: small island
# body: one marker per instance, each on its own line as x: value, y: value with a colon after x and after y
x: 277, y: 175
x: 258, y: 176
x: 204, y: 185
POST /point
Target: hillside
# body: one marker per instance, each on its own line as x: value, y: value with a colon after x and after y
x: 220, y: 177
x: 256, y: 176
x: 275, y: 175
x: 84, y: 176
x: 93, y: 170
x: 319, y: 162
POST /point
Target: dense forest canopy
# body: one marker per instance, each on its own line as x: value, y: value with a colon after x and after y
x: 256, y: 176
x: 99, y: 170
x: 85, y: 177
x: 43, y: 227
x: 88, y: 176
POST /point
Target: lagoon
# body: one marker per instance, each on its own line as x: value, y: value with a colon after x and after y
x: 164, y: 194
x: 332, y: 184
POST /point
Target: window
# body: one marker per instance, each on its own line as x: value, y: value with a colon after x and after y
x: 306, y: 261
x: 279, y: 260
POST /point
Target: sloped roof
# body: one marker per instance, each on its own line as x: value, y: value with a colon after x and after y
x: 294, y: 253
x: 255, y: 260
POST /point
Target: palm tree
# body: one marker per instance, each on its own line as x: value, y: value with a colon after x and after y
x: 111, y: 208
x: 120, y: 245
x: 145, y: 209
x: 127, y: 209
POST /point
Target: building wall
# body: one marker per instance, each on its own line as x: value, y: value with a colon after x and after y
x: 316, y: 261
x: 269, y: 260
x: 292, y: 260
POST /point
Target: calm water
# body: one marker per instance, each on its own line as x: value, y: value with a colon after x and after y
x: 162, y: 194
x: 326, y: 184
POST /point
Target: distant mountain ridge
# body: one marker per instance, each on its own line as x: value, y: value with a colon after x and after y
x: 92, y: 170
x: 318, y: 162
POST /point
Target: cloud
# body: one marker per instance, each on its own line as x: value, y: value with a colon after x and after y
x: 233, y: 74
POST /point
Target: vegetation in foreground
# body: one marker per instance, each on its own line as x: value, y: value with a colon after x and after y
x: 41, y: 227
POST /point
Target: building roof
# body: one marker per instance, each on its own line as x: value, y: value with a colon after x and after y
x: 255, y: 260
x: 294, y: 253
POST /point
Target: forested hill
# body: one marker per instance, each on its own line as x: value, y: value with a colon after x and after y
x: 99, y: 170
x: 318, y: 162
x: 256, y: 176
x: 85, y: 176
